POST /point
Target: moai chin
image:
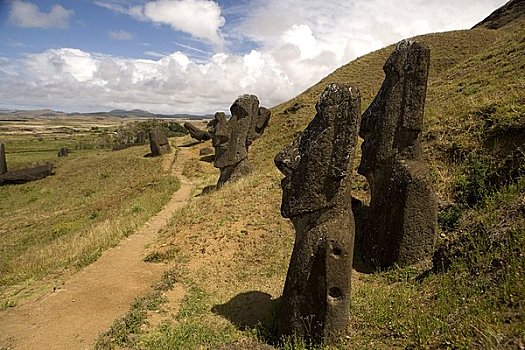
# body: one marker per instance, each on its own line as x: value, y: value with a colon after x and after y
x: 402, y: 217
x: 232, y: 137
x: 316, y: 198
x: 3, y: 162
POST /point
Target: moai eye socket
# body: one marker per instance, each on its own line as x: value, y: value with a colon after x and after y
x: 335, y: 293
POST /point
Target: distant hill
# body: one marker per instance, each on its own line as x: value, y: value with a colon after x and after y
x: 115, y: 113
x: 133, y: 113
x: 510, y: 13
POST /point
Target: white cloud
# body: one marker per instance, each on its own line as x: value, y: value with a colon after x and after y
x: 62, y: 65
x: 28, y: 15
x: 294, y: 52
x: 120, y: 35
x: 72, y: 79
x: 199, y: 18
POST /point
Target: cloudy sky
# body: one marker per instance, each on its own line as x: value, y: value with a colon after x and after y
x: 197, y: 56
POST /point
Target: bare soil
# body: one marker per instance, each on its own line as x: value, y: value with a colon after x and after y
x: 73, y: 316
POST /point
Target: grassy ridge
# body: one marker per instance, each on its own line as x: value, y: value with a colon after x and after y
x: 65, y: 221
x: 367, y: 73
x: 232, y: 246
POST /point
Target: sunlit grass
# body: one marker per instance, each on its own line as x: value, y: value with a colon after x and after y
x: 67, y: 220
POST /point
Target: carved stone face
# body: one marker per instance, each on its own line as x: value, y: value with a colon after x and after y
x: 219, y: 129
x: 231, y: 135
x: 393, y: 122
x: 315, y: 163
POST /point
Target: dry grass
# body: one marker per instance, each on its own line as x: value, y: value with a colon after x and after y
x: 232, y: 246
x: 65, y: 221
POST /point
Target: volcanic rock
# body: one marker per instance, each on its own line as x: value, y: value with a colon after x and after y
x: 3, y: 162
x: 232, y: 137
x: 316, y: 197
x: 158, y: 142
x: 196, y: 133
x: 402, y: 218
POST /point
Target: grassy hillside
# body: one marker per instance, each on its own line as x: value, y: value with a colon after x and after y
x: 65, y: 221
x: 231, y: 248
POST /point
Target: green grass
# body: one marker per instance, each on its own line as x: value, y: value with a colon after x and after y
x: 65, y: 221
x: 234, y: 241
x: 190, y: 330
x: 26, y: 150
x: 125, y: 331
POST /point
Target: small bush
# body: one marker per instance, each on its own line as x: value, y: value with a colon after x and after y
x: 448, y: 218
x: 477, y: 180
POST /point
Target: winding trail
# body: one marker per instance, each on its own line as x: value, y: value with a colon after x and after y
x: 87, y: 304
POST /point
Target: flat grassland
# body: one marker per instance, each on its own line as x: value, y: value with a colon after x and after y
x: 54, y: 226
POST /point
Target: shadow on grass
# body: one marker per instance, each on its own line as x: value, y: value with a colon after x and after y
x: 248, y: 310
x: 194, y: 143
x: 207, y: 190
x: 359, y: 263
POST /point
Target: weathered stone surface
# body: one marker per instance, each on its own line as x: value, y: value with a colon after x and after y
x: 232, y: 138
x: 402, y: 217
x: 63, y: 152
x: 206, y: 151
x: 3, y: 162
x: 196, y: 133
x: 316, y: 197
x: 158, y: 142
x: 21, y: 176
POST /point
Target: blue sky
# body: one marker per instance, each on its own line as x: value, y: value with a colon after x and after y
x: 197, y: 56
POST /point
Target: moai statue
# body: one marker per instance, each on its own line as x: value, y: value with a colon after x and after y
x: 24, y: 175
x: 402, y: 217
x: 141, y: 137
x: 63, y: 152
x: 3, y: 162
x: 196, y: 133
x: 158, y: 142
x: 232, y: 138
x: 316, y: 197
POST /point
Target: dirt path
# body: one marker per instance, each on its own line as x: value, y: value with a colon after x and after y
x: 89, y: 302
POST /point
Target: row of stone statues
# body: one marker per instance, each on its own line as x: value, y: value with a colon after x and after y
x: 232, y: 137
x: 317, y: 166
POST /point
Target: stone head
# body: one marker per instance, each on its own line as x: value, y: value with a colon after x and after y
x: 317, y: 161
x: 232, y: 137
x: 393, y: 122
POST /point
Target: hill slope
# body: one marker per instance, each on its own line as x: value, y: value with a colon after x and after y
x: 511, y: 13
x: 232, y: 247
